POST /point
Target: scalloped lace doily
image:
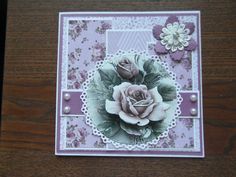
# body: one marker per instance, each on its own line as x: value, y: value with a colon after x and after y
x: 89, y: 121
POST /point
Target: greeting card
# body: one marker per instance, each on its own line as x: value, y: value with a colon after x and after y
x: 129, y: 84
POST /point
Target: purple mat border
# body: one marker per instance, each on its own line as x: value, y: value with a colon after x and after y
x: 148, y: 153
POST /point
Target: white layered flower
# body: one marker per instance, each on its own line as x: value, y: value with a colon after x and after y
x: 175, y: 36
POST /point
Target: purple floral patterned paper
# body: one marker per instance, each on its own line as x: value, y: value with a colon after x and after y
x: 182, y: 68
x: 179, y: 137
x: 79, y: 135
x: 86, y: 46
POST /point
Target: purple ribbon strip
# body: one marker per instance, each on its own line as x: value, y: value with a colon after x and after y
x: 74, y: 103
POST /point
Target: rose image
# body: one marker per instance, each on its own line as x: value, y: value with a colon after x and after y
x: 127, y: 69
x: 136, y: 105
x: 131, y: 99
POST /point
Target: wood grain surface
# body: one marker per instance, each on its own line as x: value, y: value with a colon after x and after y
x: 28, y: 111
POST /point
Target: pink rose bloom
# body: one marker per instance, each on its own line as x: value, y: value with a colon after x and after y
x: 127, y: 69
x: 136, y: 105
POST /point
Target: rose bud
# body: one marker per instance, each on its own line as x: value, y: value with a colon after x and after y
x: 127, y: 69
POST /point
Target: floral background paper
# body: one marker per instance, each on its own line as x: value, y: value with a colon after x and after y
x: 79, y: 135
x: 86, y: 46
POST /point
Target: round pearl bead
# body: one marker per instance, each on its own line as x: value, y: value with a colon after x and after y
x: 66, y: 109
x: 67, y: 96
x: 193, y: 112
x: 193, y: 98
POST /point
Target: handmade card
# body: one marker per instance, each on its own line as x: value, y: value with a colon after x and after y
x: 129, y: 84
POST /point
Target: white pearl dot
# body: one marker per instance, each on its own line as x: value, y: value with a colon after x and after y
x: 193, y: 98
x: 66, y: 109
x: 193, y: 112
x: 67, y: 96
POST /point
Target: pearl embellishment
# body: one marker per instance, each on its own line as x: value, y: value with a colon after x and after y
x: 193, y: 112
x: 67, y: 96
x: 67, y: 110
x: 193, y: 98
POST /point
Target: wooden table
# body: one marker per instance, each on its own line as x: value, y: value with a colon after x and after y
x: 28, y: 112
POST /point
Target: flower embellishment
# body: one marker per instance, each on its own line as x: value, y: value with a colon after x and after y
x: 174, y: 38
x: 131, y: 99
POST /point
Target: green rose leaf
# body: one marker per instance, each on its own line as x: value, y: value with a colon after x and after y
x: 144, y: 132
x: 159, y: 127
x: 162, y: 71
x: 99, y: 90
x: 136, y: 58
x: 109, y: 77
x: 139, y: 78
x: 149, y: 67
x: 109, y: 128
x: 132, y: 130
x: 101, y: 110
x: 151, y: 80
x: 167, y: 91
